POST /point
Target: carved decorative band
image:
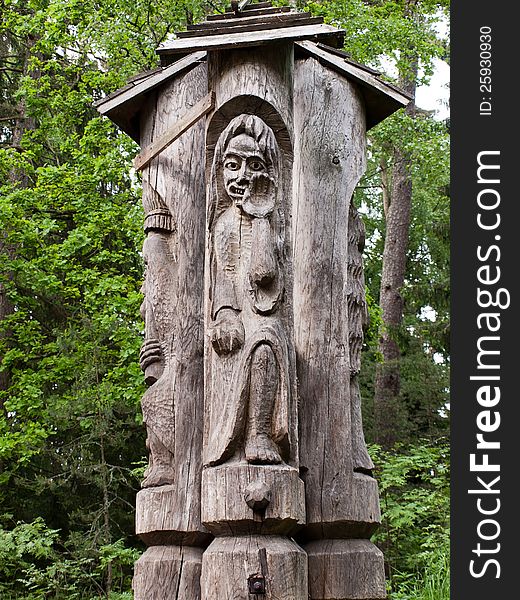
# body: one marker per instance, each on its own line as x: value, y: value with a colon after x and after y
x: 160, y: 220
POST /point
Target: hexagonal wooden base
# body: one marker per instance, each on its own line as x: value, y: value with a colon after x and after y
x: 345, y: 570
x: 225, y: 492
x: 161, y: 519
x: 167, y: 572
x: 230, y: 564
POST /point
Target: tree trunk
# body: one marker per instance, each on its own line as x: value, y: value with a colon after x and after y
x: 18, y: 179
x: 389, y: 413
x: 6, y: 308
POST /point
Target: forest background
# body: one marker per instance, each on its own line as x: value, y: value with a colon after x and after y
x: 72, y: 444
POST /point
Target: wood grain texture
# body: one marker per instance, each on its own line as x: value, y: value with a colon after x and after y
x: 357, y: 322
x: 266, y: 76
x: 225, y: 510
x: 160, y: 520
x: 329, y: 160
x: 249, y: 313
x: 245, y: 19
x: 251, y: 483
x: 203, y: 107
x: 168, y: 573
x: 176, y: 177
x: 252, y: 38
x: 231, y: 27
x: 151, y: 82
x: 229, y: 562
x: 360, y: 75
x: 345, y: 570
x: 251, y: 10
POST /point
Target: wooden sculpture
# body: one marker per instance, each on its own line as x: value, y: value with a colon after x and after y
x: 259, y: 484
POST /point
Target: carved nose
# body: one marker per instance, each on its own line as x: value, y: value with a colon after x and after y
x: 242, y: 175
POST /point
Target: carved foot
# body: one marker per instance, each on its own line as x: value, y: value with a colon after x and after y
x: 157, y: 476
x: 260, y: 449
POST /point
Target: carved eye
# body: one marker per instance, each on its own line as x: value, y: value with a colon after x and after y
x: 256, y: 165
x: 232, y: 165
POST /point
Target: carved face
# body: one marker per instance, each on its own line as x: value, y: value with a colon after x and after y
x: 242, y: 160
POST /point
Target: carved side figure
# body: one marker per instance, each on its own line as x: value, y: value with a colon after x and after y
x: 357, y: 323
x: 157, y: 402
x: 249, y: 387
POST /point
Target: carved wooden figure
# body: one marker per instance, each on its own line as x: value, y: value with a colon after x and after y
x: 250, y: 381
x: 259, y: 484
x: 250, y: 476
x: 155, y: 357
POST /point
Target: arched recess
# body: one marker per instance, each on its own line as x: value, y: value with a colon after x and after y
x: 252, y: 105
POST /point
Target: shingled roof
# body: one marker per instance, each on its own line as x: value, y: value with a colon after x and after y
x: 248, y: 25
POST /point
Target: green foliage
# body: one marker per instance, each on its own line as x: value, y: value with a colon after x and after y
x: 387, y: 36
x: 414, y: 486
x: 70, y: 266
x: 71, y: 441
x: 379, y: 32
x: 33, y: 566
x: 433, y: 583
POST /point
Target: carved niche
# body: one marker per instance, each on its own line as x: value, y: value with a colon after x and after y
x: 249, y: 354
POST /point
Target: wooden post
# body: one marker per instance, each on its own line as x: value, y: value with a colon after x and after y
x: 254, y: 308
x: 253, y: 496
x: 341, y: 496
x: 168, y: 506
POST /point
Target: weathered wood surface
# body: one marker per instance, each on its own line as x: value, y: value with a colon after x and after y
x: 245, y: 19
x: 348, y: 58
x: 203, y: 107
x: 357, y: 311
x: 160, y: 519
x: 168, y: 573
x: 252, y: 38
x: 156, y: 79
x: 245, y: 81
x: 249, y: 270
x: 254, y: 9
x: 381, y: 98
x: 225, y: 27
x: 345, y: 570
x: 226, y: 490
x: 235, y: 196
x: 173, y: 405
x: 251, y: 482
x: 352, y: 71
x: 230, y: 562
x: 250, y: 377
x: 329, y: 160
x: 247, y: 5
x: 341, y: 497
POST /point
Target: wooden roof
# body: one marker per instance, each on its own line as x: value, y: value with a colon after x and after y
x: 252, y: 25
x: 381, y: 97
x: 123, y: 105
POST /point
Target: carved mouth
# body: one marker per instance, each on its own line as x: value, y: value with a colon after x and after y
x: 234, y: 190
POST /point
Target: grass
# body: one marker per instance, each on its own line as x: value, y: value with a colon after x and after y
x: 432, y: 584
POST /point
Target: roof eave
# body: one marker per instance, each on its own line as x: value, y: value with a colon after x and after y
x: 124, y: 105
x: 382, y: 99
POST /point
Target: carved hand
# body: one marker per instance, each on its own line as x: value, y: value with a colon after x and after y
x: 227, y: 332
x: 150, y: 352
x: 259, y: 198
x: 150, y: 360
